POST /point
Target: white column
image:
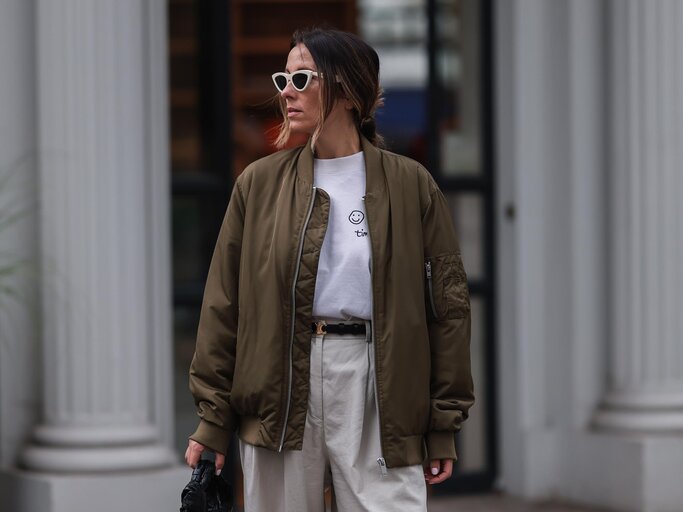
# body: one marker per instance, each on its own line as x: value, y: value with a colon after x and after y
x: 104, y: 188
x: 645, y: 94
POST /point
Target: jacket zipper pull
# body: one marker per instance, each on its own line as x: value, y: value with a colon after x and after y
x: 382, y: 466
x: 428, y: 269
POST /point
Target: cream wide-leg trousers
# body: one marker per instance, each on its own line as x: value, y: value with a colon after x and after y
x: 341, y: 444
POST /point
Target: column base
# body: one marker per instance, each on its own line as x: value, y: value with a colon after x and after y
x: 71, y: 459
x: 76, y: 449
x: 24, y: 491
x: 641, y: 412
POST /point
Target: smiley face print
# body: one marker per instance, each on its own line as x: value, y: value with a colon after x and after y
x: 356, y: 217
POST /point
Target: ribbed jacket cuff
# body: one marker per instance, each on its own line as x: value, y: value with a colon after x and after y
x: 441, y: 445
x: 212, y: 436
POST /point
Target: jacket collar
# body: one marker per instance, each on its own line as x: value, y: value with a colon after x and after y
x: 374, y: 171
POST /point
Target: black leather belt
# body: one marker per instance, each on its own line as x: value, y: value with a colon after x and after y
x: 323, y: 327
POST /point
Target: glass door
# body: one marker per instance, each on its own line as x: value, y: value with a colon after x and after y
x: 461, y: 141
x: 435, y: 71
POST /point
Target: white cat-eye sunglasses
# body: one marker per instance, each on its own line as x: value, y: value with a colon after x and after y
x: 300, y: 79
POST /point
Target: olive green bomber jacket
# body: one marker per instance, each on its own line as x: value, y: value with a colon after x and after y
x: 250, y: 371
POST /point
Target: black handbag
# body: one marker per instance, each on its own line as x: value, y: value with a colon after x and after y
x: 206, y: 491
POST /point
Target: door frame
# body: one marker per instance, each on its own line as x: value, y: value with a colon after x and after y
x: 483, y: 185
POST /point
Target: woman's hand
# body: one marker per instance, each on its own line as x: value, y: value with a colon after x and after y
x: 194, y: 453
x: 438, y: 471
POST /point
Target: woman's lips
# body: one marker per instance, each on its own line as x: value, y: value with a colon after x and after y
x: 291, y: 112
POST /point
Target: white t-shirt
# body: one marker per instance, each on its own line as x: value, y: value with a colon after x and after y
x: 343, y: 289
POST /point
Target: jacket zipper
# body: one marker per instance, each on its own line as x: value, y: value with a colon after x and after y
x: 428, y: 271
x: 380, y: 460
x: 291, y: 335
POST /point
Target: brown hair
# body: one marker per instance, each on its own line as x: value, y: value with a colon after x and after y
x: 354, y: 64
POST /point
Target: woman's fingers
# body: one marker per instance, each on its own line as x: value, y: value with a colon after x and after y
x: 432, y: 470
x: 438, y: 471
x: 220, y: 462
x: 193, y: 453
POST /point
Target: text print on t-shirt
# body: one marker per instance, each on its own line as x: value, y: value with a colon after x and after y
x: 356, y: 217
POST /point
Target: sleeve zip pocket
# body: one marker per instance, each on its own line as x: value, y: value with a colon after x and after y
x: 430, y: 286
x: 446, y: 287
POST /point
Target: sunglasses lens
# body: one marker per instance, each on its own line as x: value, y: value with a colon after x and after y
x: 299, y: 80
x: 280, y: 82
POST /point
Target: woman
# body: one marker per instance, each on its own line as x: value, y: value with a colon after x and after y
x: 334, y: 332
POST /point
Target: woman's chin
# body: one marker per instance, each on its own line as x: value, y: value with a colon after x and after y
x: 299, y: 128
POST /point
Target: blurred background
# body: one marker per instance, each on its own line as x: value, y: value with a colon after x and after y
x: 553, y: 127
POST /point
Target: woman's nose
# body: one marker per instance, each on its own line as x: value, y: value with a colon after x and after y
x: 288, y: 91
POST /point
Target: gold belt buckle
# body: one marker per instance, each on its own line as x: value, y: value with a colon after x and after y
x: 320, y: 327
